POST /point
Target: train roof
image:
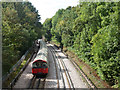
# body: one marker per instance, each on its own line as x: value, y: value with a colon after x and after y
x: 40, y: 58
x: 42, y: 53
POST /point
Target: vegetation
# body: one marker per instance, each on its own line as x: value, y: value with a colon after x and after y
x: 20, y: 27
x: 12, y: 76
x: 92, y: 31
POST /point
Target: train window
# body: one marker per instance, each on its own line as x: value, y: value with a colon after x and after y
x: 44, y: 65
x: 34, y: 65
x: 38, y: 64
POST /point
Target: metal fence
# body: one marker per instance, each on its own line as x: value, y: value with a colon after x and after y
x: 23, y: 68
x: 14, y: 68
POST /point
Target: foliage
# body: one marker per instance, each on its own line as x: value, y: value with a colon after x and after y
x: 92, y: 31
x: 20, y: 27
x: 47, y: 25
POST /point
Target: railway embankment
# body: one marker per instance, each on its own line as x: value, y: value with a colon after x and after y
x: 86, y: 69
x: 10, y: 79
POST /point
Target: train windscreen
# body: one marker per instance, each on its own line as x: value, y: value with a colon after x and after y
x: 39, y: 64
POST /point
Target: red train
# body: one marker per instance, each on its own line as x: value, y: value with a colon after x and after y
x: 40, y: 63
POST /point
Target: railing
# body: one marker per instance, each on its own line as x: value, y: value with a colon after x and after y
x: 6, y: 76
x: 17, y: 76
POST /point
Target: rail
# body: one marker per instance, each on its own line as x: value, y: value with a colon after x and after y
x: 87, y: 80
x: 71, y: 85
x: 62, y: 65
x: 55, y: 67
x: 32, y: 82
x: 37, y: 83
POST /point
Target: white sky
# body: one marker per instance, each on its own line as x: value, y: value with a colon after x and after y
x: 48, y: 8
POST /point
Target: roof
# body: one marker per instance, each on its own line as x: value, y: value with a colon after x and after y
x: 42, y: 53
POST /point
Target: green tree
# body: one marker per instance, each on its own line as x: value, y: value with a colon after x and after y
x: 20, y: 27
x: 47, y: 26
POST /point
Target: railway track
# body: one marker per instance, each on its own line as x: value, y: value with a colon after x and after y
x: 65, y: 75
x: 32, y: 82
x: 70, y: 83
x: 37, y: 83
x: 57, y: 77
x: 89, y: 83
x: 85, y: 78
x: 42, y: 83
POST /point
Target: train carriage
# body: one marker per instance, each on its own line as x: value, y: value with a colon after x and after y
x: 40, y: 63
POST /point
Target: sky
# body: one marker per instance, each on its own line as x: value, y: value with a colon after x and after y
x: 48, y: 8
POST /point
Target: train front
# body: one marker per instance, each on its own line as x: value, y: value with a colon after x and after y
x: 39, y: 67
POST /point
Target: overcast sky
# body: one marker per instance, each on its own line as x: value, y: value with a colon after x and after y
x: 48, y: 8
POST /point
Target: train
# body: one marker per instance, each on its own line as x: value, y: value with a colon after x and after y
x: 40, y: 63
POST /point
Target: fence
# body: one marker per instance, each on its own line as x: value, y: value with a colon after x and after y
x: 23, y: 68
x: 6, y: 76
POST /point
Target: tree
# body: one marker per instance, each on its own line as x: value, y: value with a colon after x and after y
x: 20, y: 27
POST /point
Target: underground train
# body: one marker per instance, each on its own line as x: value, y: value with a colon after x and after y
x: 40, y: 63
